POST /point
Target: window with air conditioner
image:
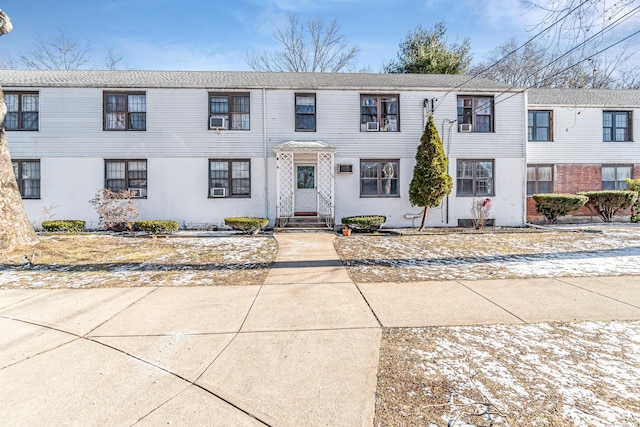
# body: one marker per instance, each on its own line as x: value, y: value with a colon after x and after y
x: 345, y: 168
x: 229, y: 178
x: 379, y: 113
x: 475, y: 113
x: 127, y: 175
x: 230, y: 109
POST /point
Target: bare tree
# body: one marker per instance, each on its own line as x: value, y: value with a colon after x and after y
x: 15, y: 229
x: 114, y: 61
x: 594, y: 33
x: 60, y: 52
x: 310, y: 47
x: 534, y: 66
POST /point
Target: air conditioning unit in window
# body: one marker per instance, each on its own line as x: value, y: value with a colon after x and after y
x: 217, y: 123
x: 137, y: 192
x: 373, y: 126
x: 218, y: 192
x: 465, y: 127
x: 345, y: 168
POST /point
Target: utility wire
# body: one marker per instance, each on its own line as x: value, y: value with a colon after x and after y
x: 553, y: 24
x: 608, y: 28
x: 568, y: 68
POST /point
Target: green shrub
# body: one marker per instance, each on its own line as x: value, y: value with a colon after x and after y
x: 68, y: 225
x: 553, y: 206
x: 608, y: 203
x: 156, y: 226
x: 364, y: 222
x: 634, y: 185
x: 247, y: 224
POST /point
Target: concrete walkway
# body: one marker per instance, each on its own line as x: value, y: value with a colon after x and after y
x: 300, y: 350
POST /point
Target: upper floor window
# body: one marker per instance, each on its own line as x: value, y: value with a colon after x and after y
x: 125, y: 111
x: 475, y: 113
x: 27, y: 174
x: 614, y: 177
x: 22, y: 110
x: 379, y: 113
x: 379, y: 178
x: 539, y: 179
x: 616, y: 126
x: 539, y: 125
x: 126, y: 175
x: 229, y: 111
x: 475, y: 178
x: 229, y: 178
x: 305, y: 112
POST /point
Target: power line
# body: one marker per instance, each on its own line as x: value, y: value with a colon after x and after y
x: 512, y: 52
x: 568, y: 68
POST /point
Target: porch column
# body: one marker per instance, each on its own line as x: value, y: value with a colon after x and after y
x: 285, y: 181
x: 325, y: 177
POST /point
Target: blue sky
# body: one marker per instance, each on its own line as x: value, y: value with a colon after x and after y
x: 217, y: 35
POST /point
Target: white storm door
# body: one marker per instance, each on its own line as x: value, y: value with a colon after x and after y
x: 306, y: 191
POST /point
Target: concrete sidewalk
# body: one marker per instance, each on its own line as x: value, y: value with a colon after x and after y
x: 300, y: 350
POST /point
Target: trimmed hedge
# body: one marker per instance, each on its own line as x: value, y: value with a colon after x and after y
x: 364, y: 222
x: 156, y: 226
x: 608, y: 203
x: 553, y: 206
x: 634, y: 185
x: 68, y: 225
x: 247, y: 224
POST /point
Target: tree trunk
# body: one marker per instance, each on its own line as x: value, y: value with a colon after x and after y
x: 15, y: 229
x: 424, y: 218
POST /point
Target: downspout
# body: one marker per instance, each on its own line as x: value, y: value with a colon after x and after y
x: 266, y: 161
x: 525, y: 137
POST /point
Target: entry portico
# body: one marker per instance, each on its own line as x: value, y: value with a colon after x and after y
x: 305, y: 181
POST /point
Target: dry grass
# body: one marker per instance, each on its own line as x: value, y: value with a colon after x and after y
x: 580, y: 374
x: 88, y: 261
x: 491, y: 255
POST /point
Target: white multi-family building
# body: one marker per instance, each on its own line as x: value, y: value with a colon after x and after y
x: 196, y: 147
x: 580, y: 140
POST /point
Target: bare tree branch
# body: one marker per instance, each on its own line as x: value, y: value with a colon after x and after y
x: 310, y: 47
x: 60, y: 52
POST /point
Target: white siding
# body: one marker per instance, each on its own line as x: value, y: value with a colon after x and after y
x: 577, y: 138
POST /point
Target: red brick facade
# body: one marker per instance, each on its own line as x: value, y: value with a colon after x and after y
x: 573, y: 178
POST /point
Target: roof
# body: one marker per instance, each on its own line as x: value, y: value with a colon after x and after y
x: 585, y: 97
x: 242, y: 80
x: 303, y: 146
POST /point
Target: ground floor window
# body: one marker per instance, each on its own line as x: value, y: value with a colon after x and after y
x: 475, y: 178
x: 126, y: 175
x: 539, y: 179
x: 613, y: 176
x: 27, y: 173
x: 379, y: 178
x: 229, y: 178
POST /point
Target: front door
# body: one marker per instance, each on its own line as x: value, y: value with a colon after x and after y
x: 306, y: 192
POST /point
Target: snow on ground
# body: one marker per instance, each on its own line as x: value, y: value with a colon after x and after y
x: 111, y: 261
x: 605, y: 250
x: 576, y: 374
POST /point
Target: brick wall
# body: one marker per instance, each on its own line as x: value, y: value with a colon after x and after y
x: 573, y: 178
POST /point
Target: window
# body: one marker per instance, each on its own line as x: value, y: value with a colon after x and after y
x: 22, y: 110
x: 475, y: 113
x: 234, y: 176
x: 232, y: 107
x: 475, y: 178
x: 540, y: 126
x: 379, y: 113
x: 379, y: 178
x: 125, y: 111
x: 126, y: 175
x: 27, y: 173
x: 305, y: 112
x: 613, y: 177
x: 616, y: 126
x: 539, y: 179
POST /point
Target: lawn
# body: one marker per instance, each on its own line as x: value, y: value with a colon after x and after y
x: 603, y: 250
x: 91, y: 261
